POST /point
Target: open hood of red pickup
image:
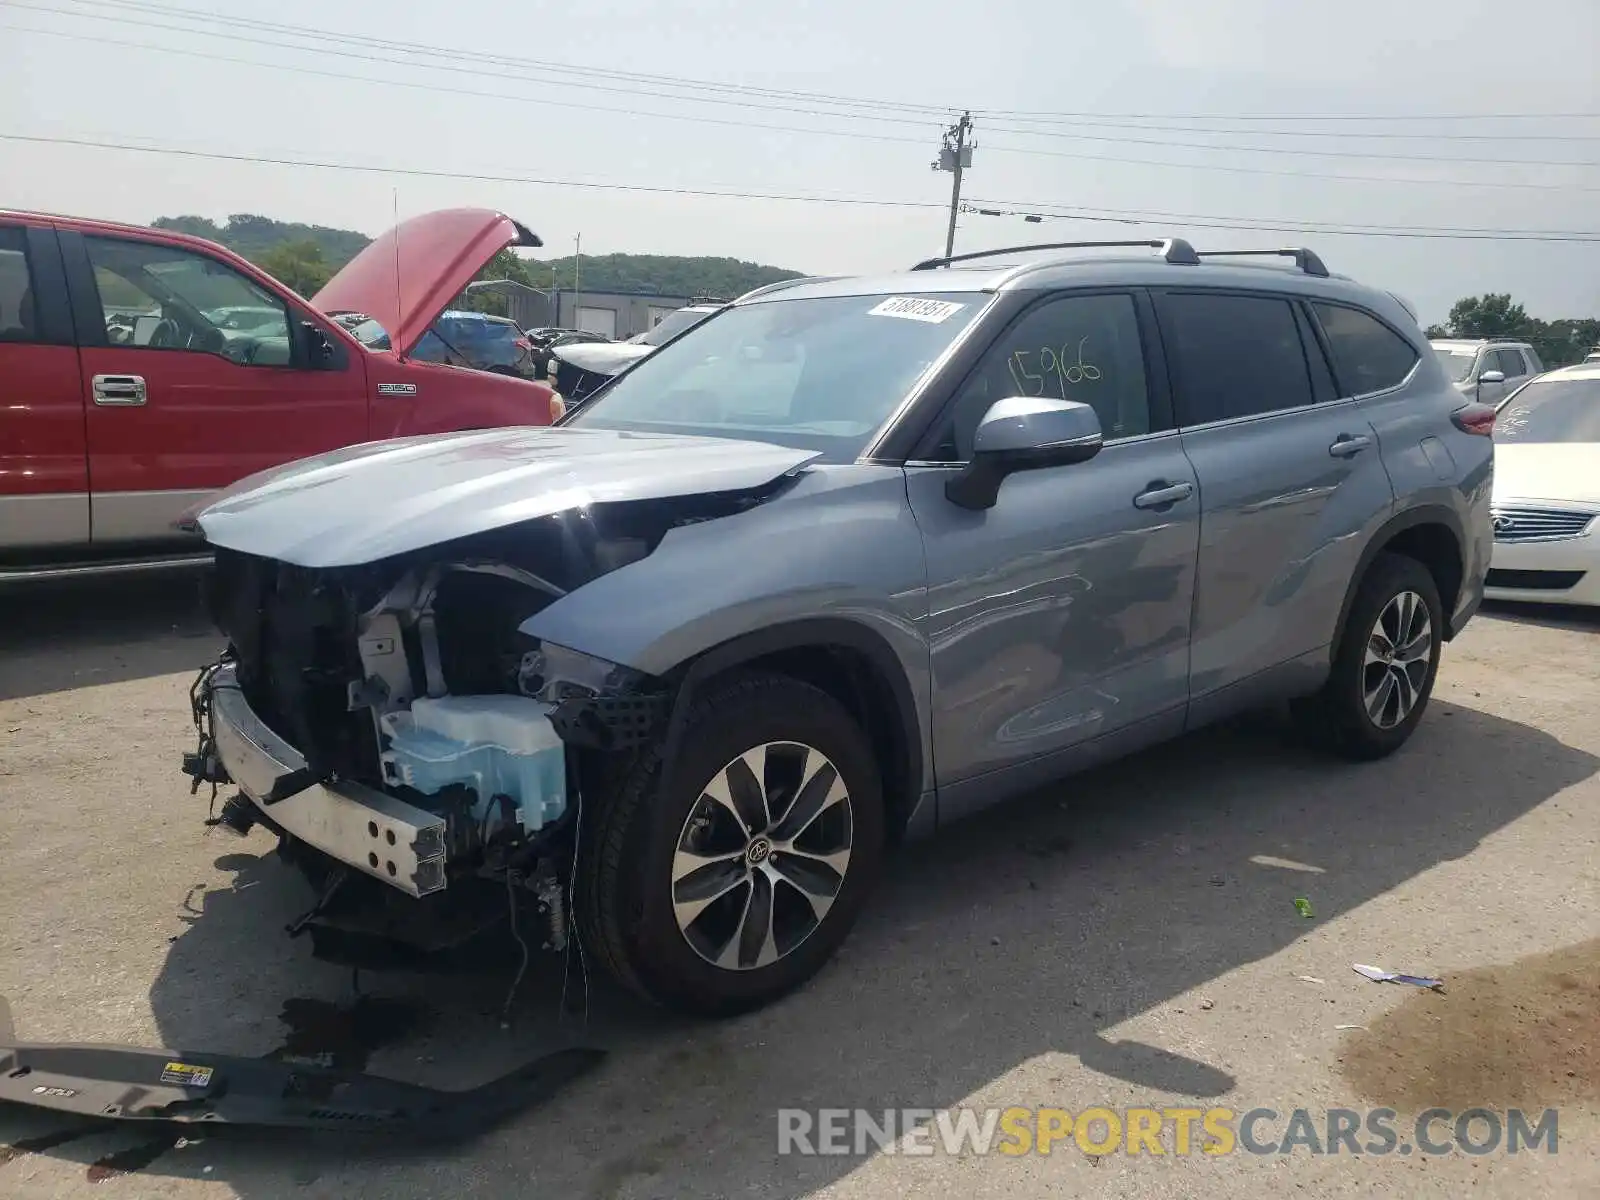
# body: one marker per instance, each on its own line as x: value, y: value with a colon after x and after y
x: 404, y: 279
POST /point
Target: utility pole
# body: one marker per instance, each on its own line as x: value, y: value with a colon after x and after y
x: 577, y: 259
x: 955, y: 156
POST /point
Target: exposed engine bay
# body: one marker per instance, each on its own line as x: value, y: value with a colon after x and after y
x: 407, y: 685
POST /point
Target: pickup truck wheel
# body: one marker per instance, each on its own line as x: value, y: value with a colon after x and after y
x: 733, y: 881
x: 1384, y: 664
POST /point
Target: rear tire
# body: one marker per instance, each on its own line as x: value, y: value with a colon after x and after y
x: 653, y: 849
x: 1384, y: 664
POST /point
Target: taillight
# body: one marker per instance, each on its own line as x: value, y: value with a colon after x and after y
x: 558, y: 407
x: 1475, y: 418
x: 524, y: 344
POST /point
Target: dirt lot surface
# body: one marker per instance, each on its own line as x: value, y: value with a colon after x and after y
x: 1130, y: 938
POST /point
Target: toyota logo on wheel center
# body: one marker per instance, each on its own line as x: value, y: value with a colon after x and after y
x: 758, y: 852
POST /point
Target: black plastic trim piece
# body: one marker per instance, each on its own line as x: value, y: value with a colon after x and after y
x: 813, y: 631
x: 1175, y: 250
x: 1306, y: 260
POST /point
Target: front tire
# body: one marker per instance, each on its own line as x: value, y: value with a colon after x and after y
x: 733, y: 881
x: 1384, y: 665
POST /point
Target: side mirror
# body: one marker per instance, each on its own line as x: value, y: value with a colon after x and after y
x: 319, y: 346
x: 1492, y: 377
x: 1024, y: 433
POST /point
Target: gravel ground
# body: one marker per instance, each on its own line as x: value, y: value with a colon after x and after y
x: 1127, y: 939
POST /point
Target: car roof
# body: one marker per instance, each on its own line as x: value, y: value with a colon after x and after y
x: 1474, y: 343
x: 1582, y: 370
x: 1027, y: 272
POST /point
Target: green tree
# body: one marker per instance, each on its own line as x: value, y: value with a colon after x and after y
x: 1492, y: 315
x: 300, y: 265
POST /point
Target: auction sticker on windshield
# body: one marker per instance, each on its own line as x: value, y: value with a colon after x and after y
x: 910, y: 308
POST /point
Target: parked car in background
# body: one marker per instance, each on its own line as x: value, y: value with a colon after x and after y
x: 1487, y: 369
x: 848, y: 562
x: 546, y: 340
x: 580, y: 368
x: 1547, y: 490
x: 479, y: 341
x: 141, y: 370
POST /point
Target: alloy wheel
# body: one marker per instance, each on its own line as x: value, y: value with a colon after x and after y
x: 762, y: 855
x: 1399, y: 654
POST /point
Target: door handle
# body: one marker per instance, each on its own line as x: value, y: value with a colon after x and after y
x: 118, y: 390
x: 1161, y: 494
x: 1346, y: 446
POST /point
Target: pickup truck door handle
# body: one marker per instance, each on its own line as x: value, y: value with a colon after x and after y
x: 1160, y: 494
x: 1346, y: 446
x: 118, y: 390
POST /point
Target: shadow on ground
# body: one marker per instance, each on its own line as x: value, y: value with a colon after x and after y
x: 1032, y: 931
x: 56, y: 636
x: 1551, y: 616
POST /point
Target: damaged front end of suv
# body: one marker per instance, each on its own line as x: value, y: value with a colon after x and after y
x: 420, y: 755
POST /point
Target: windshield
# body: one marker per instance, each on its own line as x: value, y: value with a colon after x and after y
x: 670, y: 327
x: 815, y: 374
x: 370, y: 334
x: 1456, y: 363
x: 1556, y: 410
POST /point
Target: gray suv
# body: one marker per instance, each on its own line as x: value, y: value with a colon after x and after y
x: 847, y: 562
x: 1487, y: 369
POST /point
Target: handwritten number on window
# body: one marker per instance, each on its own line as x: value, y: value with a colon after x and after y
x: 1068, y: 368
x: 1018, y: 363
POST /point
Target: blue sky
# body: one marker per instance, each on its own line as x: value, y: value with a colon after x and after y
x: 1145, y: 70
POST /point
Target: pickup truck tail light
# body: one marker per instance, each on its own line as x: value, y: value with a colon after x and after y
x: 1475, y: 418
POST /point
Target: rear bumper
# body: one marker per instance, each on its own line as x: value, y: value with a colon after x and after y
x: 361, y: 827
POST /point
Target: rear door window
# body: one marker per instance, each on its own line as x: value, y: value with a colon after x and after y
x: 1367, y: 355
x: 19, y: 320
x: 1235, y: 356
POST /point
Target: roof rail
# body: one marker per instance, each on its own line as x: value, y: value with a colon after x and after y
x: 1174, y: 250
x: 782, y: 285
x: 1305, y: 259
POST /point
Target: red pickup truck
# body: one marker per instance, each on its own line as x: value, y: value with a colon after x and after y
x: 141, y: 370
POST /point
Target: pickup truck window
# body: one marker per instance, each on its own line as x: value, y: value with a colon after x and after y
x: 17, y: 319
x: 162, y: 298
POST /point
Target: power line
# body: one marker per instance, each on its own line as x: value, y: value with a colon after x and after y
x: 1363, y: 134
x: 1247, y: 224
x: 1267, y: 225
x: 430, y: 173
x: 1124, y: 139
x: 875, y: 104
x: 853, y: 134
x: 1053, y: 211
x: 1022, y: 114
x: 476, y: 70
x: 737, y: 94
x: 1230, y: 169
x: 207, y: 56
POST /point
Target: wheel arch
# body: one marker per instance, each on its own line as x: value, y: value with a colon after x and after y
x: 853, y: 664
x: 1432, y: 535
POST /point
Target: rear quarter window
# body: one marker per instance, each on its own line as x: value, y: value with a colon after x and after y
x: 1368, y: 356
x: 1237, y: 356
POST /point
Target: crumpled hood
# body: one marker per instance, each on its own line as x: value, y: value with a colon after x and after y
x: 404, y: 279
x: 602, y: 358
x: 366, y: 503
x: 1566, y: 471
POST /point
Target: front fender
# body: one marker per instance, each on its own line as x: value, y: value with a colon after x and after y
x: 839, y: 547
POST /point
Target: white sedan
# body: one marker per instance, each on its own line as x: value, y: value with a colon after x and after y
x: 1547, y: 490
